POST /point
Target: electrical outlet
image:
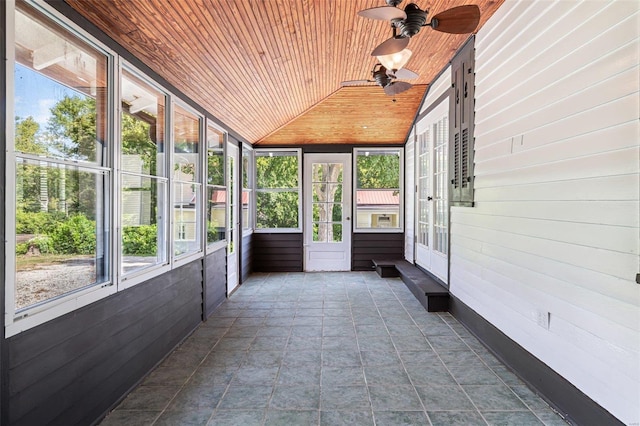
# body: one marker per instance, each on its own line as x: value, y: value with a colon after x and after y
x: 542, y: 318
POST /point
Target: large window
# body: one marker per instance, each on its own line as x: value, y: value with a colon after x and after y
x: 247, y: 188
x: 143, y: 176
x: 216, y: 186
x: 378, y: 189
x: 278, y: 189
x: 59, y: 162
x: 187, y: 187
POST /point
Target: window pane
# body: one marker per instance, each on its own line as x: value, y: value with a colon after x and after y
x: 277, y: 169
x: 215, y: 157
x: 60, y: 230
x: 143, y: 230
x: 216, y: 213
x: 186, y: 131
x: 378, y: 189
x: 277, y: 210
x: 185, y: 218
x: 143, y: 127
x: 60, y: 92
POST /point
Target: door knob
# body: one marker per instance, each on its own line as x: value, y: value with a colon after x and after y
x: 348, y: 218
x: 429, y: 198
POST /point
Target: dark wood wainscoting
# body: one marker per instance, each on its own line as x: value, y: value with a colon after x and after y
x: 367, y: 246
x: 215, y: 279
x: 277, y: 252
x: 246, y: 257
x: 73, y: 369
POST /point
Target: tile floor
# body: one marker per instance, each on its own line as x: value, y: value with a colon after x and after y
x: 330, y: 349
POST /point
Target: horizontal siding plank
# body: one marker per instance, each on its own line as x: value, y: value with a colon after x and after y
x: 620, y: 162
x: 612, y: 213
x: 603, y: 188
x: 614, y: 238
x: 604, y: 261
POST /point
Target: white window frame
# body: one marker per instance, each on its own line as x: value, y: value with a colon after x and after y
x: 298, y: 152
x: 220, y: 244
x: 251, y: 176
x: 184, y: 258
x: 400, y: 228
x: 47, y: 310
x: 142, y: 275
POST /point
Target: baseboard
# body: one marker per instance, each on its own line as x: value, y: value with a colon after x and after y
x: 571, y: 402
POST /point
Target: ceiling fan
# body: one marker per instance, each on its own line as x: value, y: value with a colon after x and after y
x: 408, y: 22
x: 387, y: 79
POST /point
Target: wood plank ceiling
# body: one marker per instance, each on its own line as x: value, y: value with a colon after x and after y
x: 270, y: 70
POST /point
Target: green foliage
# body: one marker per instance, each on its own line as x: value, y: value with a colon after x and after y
x: 26, y: 139
x: 215, y: 168
x: 277, y: 171
x: 73, y: 126
x: 277, y: 210
x: 378, y: 171
x: 77, y: 235
x: 43, y: 243
x: 214, y: 232
x: 140, y: 240
x: 37, y: 222
x: 22, y: 248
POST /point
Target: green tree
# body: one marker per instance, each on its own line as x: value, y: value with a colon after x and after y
x: 72, y: 125
x: 378, y: 171
x: 27, y: 136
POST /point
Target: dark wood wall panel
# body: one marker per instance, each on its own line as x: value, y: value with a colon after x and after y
x: 246, y: 258
x: 277, y: 252
x: 72, y: 369
x: 216, y: 280
x: 367, y: 246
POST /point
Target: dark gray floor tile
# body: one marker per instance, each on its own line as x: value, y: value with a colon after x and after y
x: 224, y: 359
x: 268, y: 343
x: 344, y: 398
x: 371, y: 330
x: 305, y: 374
x: 190, y: 417
x: 236, y: 418
x: 302, y: 357
x: 386, y: 376
x: 507, y: 376
x: 465, y: 357
x: 508, y: 418
x: 290, y: 417
x: 233, y: 344
x: 149, y: 398
x: 213, y: 376
x: 343, y: 330
x: 394, y: 398
x: 297, y: 343
x: 379, y: 344
x: 401, y: 330
x: 246, y: 397
x: 428, y: 357
x: 255, y: 376
x: 447, y: 343
x: 263, y: 358
x: 493, y: 397
x: 248, y: 322
x: 185, y: 358
x: 428, y: 375
x: 339, y: 343
x: 346, y: 418
x: 400, y: 418
x: 130, y: 418
x: 456, y: 418
x: 473, y: 375
x: 342, y: 376
x: 310, y: 331
x: 444, y: 398
x: 242, y: 331
x: 197, y: 397
x: 296, y: 398
x: 380, y: 358
x: 301, y: 321
x: 411, y: 343
x: 531, y: 400
x: 341, y: 358
x: 169, y: 376
x: 274, y: 331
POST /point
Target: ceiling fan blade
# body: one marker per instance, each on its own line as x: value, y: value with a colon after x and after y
x: 383, y: 13
x: 389, y: 46
x: 405, y: 74
x: 397, y: 87
x: 458, y: 20
x: 356, y: 83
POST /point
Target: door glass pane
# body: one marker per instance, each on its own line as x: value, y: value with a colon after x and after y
x: 423, y: 188
x: 440, y: 212
x: 230, y: 204
x: 327, y: 202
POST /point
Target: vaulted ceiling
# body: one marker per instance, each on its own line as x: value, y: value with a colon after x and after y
x: 271, y: 70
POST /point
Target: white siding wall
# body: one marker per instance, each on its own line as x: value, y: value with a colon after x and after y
x: 555, y: 233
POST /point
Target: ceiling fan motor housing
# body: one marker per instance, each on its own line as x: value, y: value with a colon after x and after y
x: 394, y: 3
x: 380, y: 76
x: 415, y: 20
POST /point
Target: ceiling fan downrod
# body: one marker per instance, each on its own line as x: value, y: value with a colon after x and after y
x: 380, y: 76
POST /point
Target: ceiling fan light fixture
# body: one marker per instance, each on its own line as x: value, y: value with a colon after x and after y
x: 395, y: 61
